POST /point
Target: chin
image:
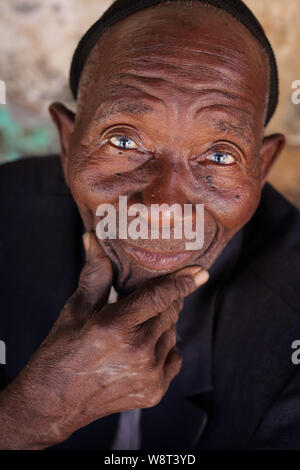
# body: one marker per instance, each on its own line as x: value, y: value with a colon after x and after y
x: 133, y: 271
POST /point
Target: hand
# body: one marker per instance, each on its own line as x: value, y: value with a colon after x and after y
x: 98, y: 359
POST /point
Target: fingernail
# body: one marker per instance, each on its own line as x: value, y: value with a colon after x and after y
x: 201, y: 277
x: 86, y: 241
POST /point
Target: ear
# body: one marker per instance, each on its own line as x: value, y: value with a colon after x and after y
x: 64, y: 120
x: 270, y: 151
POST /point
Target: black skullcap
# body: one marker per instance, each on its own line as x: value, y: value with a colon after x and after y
x: 120, y: 9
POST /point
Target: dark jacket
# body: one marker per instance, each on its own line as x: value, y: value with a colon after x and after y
x: 238, y: 387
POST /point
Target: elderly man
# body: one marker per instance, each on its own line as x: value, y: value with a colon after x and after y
x: 172, y: 101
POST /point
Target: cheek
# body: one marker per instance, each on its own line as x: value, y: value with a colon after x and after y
x: 233, y: 199
x: 90, y: 187
x: 237, y: 209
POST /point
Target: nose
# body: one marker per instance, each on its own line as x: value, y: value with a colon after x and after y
x: 166, y: 197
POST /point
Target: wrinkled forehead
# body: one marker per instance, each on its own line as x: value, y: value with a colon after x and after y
x: 177, y: 53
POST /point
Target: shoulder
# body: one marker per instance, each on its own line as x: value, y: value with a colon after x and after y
x: 279, y: 427
x: 35, y: 204
x: 258, y: 322
x: 33, y: 176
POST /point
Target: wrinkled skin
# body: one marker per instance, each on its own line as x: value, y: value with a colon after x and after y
x: 98, y: 359
x: 170, y: 81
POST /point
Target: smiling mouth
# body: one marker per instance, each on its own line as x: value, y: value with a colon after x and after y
x: 155, y: 260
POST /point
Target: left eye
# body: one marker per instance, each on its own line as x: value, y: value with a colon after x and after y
x: 222, y: 158
x: 123, y: 142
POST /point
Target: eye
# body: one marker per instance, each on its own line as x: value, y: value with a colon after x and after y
x: 123, y: 142
x: 222, y: 158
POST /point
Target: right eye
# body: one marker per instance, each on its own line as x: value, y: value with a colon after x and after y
x: 123, y: 142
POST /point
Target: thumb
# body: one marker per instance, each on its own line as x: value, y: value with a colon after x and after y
x: 96, y: 276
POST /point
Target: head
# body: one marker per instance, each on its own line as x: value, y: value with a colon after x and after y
x: 171, y: 108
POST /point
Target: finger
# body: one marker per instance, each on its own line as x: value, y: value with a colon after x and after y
x: 96, y: 277
x: 165, y: 320
x: 158, y: 294
x: 153, y: 328
x: 95, y: 280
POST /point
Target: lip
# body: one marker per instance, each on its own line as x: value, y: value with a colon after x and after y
x: 155, y: 260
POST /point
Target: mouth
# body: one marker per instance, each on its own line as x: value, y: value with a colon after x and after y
x: 155, y: 260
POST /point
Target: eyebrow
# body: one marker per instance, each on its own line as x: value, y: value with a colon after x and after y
x: 228, y: 127
x: 135, y: 108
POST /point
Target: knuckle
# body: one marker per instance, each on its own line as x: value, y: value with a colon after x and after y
x: 176, y: 361
x: 179, y: 304
x: 154, y: 397
x: 174, y: 314
x: 171, y: 337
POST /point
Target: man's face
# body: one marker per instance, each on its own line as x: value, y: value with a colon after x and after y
x: 171, y: 110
